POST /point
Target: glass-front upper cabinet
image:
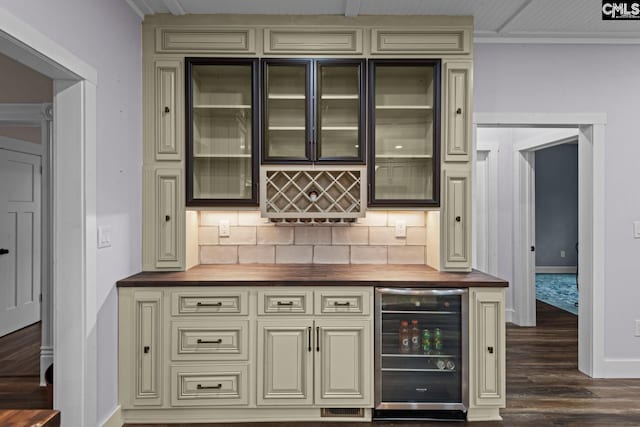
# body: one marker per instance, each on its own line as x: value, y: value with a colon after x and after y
x: 404, y: 155
x: 313, y: 111
x: 221, y: 125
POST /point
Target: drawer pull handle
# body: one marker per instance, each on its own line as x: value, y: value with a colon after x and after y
x: 342, y: 304
x: 459, y: 111
x: 209, y: 387
x: 287, y: 303
x: 167, y: 110
x: 309, y: 337
x: 146, y: 349
x: 201, y: 341
x: 490, y: 349
x: 317, y: 338
x: 4, y: 251
x: 209, y: 304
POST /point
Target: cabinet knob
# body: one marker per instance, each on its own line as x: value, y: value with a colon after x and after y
x: 490, y: 350
x: 459, y: 111
x: 458, y: 218
x: 167, y: 218
x: 167, y: 109
x: 146, y: 349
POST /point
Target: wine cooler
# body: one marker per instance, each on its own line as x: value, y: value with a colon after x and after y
x: 421, y: 353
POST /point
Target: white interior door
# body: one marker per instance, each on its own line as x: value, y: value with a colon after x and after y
x: 19, y: 240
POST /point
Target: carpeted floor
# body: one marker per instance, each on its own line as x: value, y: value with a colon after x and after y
x: 559, y: 290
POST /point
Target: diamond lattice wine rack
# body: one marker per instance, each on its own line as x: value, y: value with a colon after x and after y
x: 309, y: 194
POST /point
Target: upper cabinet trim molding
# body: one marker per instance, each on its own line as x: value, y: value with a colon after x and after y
x: 418, y: 41
x: 330, y: 41
x: 206, y: 40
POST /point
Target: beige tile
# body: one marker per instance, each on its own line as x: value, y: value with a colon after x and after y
x: 261, y: 254
x: 368, y: 254
x: 239, y: 236
x: 350, y: 235
x: 214, y: 217
x: 331, y: 254
x: 411, y: 218
x: 294, y: 254
x: 373, y: 219
x: 251, y: 218
x: 208, y: 235
x: 385, y: 236
x: 218, y: 254
x: 406, y: 255
x: 275, y: 235
x: 417, y: 236
x: 312, y: 235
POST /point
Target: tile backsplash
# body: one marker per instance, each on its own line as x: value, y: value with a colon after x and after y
x: 253, y: 239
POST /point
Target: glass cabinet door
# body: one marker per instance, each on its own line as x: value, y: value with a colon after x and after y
x: 339, y: 113
x: 287, y: 108
x: 221, y: 143
x: 404, y: 162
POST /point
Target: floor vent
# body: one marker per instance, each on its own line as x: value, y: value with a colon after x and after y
x: 342, y: 412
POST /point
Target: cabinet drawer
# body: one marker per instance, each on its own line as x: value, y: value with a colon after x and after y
x: 209, y: 385
x: 209, y: 339
x: 209, y: 303
x: 341, y: 302
x: 285, y: 302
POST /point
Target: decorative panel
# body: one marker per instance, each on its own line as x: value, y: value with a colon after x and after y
x: 205, y: 40
x: 335, y: 41
x: 420, y: 41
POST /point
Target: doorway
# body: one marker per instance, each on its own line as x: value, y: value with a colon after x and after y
x: 521, y: 268
x: 73, y: 228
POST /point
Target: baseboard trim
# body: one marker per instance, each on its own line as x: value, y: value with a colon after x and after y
x: 115, y: 420
x: 621, y: 368
x: 509, y: 313
x: 46, y: 359
x: 557, y: 269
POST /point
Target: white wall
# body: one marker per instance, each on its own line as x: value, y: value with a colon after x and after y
x: 581, y: 79
x: 106, y: 35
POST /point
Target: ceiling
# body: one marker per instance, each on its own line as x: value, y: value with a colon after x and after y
x: 577, y: 21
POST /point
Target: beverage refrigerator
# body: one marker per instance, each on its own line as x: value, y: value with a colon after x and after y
x: 421, y: 353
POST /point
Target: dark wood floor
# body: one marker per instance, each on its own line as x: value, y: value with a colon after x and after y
x: 20, y: 370
x: 544, y: 387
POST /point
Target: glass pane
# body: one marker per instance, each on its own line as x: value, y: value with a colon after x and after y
x: 222, y: 131
x: 421, y: 354
x: 338, y: 111
x: 286, y: 111
x: 404, y: 139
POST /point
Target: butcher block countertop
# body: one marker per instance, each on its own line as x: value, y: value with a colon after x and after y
x: 314, y: 274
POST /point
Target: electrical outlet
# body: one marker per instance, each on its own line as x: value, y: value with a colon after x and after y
x: 401, y: 228
x: 637, y: 328
x: 223, y: 228
x: 636, y: 229
x: 104, y: 236
x: 563, y: 254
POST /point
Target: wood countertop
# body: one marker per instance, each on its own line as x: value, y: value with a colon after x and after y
x: 314, y: 274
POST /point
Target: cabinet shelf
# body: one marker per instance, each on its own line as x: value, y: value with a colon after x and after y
x: 404, y: 107
x: 338, y: 128
x: 416, y: 370
x: 403, y: 355
x: 339, y: 97
x: 222, y: 107
x: 286, y: 96
x: 419, y: 312
x: 287, y: 128
x: 404, y: 156
x: 221, y: 156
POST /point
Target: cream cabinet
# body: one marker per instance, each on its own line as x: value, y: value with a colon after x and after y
x: 324, y: 358
x: 249, y: 352
x: 457, y: 219
x: 486, y: 354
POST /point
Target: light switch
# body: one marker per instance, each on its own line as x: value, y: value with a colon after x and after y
x: 401, y: 228
x: 636, y: 229
x: 223, y: 228
x: 563, y: 254
x: 104, y: 236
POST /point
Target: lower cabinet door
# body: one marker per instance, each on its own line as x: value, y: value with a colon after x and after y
x: 285, y: 362
x: 148, y: 361
x: 344, y: 362
x: 209, y: 385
